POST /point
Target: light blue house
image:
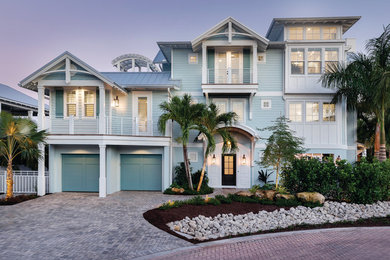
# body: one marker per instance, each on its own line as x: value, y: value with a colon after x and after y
x: 103, y: 125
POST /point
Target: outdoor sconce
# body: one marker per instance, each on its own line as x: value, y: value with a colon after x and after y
x: 213, y: 159
x: 244, y: 159
x: 116, y: 102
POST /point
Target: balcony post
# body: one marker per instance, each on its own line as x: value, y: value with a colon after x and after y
x: 254, y: 67
x: 41, y: 182
x: 204, y: 64
x: 102, y: 172
x: 102, y: 109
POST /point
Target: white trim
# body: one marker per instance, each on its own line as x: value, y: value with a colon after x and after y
x: 269, y: 102
x: 264, y: 54
x: 269, y: 93
x: 195, y: 155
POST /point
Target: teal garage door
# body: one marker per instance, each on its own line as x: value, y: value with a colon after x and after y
x: 80, y: 172
x: 141, y: 172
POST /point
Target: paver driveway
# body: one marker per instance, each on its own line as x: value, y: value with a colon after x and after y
x: 83, y: 226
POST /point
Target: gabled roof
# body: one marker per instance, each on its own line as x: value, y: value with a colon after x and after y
x: 345, y: 21
x: 262, y: 42
x: 166, y: 47
x: 160, y: 58
x: 27, y: 82
x: 143, y: 79
x: 13, y: 96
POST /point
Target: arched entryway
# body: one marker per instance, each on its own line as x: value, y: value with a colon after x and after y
x: 232, y: 170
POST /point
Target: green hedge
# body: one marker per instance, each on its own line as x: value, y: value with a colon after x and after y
x: 364, y: 182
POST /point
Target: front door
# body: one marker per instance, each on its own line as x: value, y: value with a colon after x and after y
x: 229, y: 169
x: 228, y: 67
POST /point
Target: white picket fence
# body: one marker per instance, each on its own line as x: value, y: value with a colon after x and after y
x: 24, y: 181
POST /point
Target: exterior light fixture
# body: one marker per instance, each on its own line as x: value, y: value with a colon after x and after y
x: 244, y: 159
x: 213, y: 159
x: 116, y: 102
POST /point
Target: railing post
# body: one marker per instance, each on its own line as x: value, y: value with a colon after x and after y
x: 204, y: 64
x: 121, y: 125
x: 102, y: 110
x: 254, y: 65
x: 71, y: 124
x: 136, y: 126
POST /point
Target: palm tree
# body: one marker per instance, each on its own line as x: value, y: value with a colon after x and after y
x: 18, y: 137
x: 212, y: 123
x: 184, y: 112
x: 365, y: 82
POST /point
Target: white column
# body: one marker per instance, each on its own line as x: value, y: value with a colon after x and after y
x: 166, y: 172
x: 41, y: 185
x: 29, y: 113
x: 204, y: 64
x: 102, y: 109
x: 102, y: 171
x: 254, y: 64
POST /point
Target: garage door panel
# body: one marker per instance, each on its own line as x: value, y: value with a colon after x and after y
x: 141, y: 172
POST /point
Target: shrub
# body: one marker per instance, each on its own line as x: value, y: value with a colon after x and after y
x: 238, y: 198
x: 254, y: 188
x: 268, y: 186
x: 223, y: 199
x: 264, y: 175
x: 180, y: 180
x: 214, y: 201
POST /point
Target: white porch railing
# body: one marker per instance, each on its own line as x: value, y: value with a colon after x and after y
x: 24, y: 181
x: 122, y: 125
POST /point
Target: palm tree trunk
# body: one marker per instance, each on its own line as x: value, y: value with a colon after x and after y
x: 187, y: 166
x: 202, y: 174
x: 377, y: 142
x: 277, y: 176
x: 382, y: 149
x: 10, y: 181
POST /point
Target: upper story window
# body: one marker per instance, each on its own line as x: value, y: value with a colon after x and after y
x: 314, y: 61
x: 295, y: 112
x: 297, y: 61
x: 328, y: 112
x: 236, y: 105
x: 329, y: 33
x: 266, y: 104
x: 71, y: 103
x: 295, y: 33
x: 312, y: 112
x: 313, y: 33
x: 331, y: 58
x: 89, y: 103
x: 193, y: 58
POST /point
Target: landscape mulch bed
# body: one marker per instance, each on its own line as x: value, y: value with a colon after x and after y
x: 159, y: 218
x: 17, y: 199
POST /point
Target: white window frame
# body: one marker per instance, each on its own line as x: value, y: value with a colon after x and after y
x: 302, y: 112
x: 320, y: 112
x: 66, y: 93
x: 193, y: 154
x: 83, y: 104
x: 298, y: 26
x: 264, y: 55
x: 148, y: 95
x: 269, y: 102
x: 239, y: 100
x: 222, y: 100
x: 193, y: 55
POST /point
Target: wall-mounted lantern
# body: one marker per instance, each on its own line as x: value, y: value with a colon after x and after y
x: 243, y: 159
x: 115, y: 103
x: 213, y: 160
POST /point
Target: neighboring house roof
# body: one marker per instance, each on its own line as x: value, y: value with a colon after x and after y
x: 345, y: 21
x: 142, y: 79
x: 12, y: 96
x: 27, y: 82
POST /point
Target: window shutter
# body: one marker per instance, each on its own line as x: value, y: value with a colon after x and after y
x: 97, y: 102
x: 59, y: 103
x: 210, y: 66
x: 247, y: 66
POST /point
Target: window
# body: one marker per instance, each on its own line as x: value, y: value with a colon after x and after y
x: 238, y: 107
x: 193, y: 156
x: 331, y: 59
x: 329, y: 33
x: 266, y: 104
x: 295, y: 33
x: 193, y: 58
x: 71, y: 103
x: 221, y: 105
x: 295, y: 112
x: 297, y: 61
x: 328, y: 112
x: 312, y: 112
x: 313, y: 33
x: 89, y: 103
x: 261, y: 58
x: 314, y: 61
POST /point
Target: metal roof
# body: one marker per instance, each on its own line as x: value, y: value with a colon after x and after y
x: 345, y: 21
x: 142, y: 79
x: 12, y: 95
x: 166, y: 47
x: 160, y: 58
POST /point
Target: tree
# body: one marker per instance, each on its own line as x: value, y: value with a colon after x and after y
x: 365, y: 82
x: 211, y: 124
x: 186, y: 114
x: 281, y: 146
x: 18, y: 137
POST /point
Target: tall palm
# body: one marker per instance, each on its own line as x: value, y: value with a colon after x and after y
x: 184, y: 112
x: 365, y: 82
x: 214, y: 124
x: 18, y: 137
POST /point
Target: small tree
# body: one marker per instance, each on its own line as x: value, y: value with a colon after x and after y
x: 18, y: 137
x: 281, y: 146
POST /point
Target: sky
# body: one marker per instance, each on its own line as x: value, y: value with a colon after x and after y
x: 34, y: 32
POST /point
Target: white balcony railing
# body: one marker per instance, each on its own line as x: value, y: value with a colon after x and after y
x: 24, y: 181
x: 122, y: 125
x: 229, y: 76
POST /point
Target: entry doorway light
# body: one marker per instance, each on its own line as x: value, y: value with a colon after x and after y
x: 115, y: 102
x: 243, y: 159
x: 213, y: 159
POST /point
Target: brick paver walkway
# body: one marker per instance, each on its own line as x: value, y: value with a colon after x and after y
x: 348, y: 243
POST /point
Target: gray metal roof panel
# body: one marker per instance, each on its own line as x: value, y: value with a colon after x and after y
x: 141, y: 78
x: 15, y: 96
x: 160, y: 58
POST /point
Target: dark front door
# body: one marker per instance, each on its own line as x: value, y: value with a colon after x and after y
x: 229, y: 169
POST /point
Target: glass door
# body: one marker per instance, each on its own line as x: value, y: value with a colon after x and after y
x: 229, y: 169
x: 142, y: 114
x: 228, y: 67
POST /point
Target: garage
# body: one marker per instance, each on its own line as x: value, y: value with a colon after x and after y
x: 141, y: 171
x: 80, y: 172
